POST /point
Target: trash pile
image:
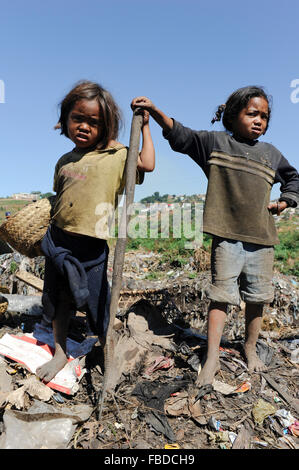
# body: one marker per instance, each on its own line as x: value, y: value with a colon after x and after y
x: 160, y: 336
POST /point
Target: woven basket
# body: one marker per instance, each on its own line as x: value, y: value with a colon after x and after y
x: 3, y: 304
x: 25, y: 230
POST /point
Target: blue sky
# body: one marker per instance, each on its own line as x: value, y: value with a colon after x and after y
x: 186, y: 55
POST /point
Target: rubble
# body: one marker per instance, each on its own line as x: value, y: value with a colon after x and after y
x: 160, y: 346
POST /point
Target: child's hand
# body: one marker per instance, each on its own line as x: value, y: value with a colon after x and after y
x: 142, y: 102
x: 277, y: 207
x: 159, y: 116
x: 146, y: 116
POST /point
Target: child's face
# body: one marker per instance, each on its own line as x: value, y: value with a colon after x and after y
x: 253, y: 119
x: 83, y: 123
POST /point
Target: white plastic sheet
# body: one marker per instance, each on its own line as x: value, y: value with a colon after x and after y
x: 29, y: 351
x: 42, y: 426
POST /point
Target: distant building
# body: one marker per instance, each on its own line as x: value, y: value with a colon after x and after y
x: 25, y: 196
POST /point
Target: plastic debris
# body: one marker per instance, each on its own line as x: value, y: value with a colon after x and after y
x: 294, y: 428
x: 27, y: 350
x: 5, y: 383
x: 261, y: 410
x: 227, y: 389
x: 161, y: 362
x: 230, y: 405
x: 244, y: 387
x: 134, y: 415
x: 264, y: 352
x: 171, y: 446
x: 232, y: 436
x: 42, y: 426
x: 119, y: 425
x: 214, y: 423
x: 27, y: 304
x: 194, y: 362
x: 285, y: 417
x: 154, y: 394
x: 58, y: 397
x: 223, y: 388
x: 221, y: 436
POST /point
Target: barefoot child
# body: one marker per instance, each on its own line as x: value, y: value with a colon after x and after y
x: 87, y: 180
x: 238, y: 213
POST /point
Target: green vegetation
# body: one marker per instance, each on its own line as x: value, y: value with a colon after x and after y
x: 175, y: 253
x: 171, y: 198
x: 14, y: 205
x: 287, y: 252
x: 44, y: 195
x: 156, y: 197
x: 153, y: 276
x: 10, y: 205
x: 175, y: 250
x: 13, y: 267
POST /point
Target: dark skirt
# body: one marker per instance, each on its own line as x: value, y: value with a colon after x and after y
x: 77, y: 267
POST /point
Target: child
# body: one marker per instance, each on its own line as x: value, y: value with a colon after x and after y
x: 87, y: 181
x: 240, y: 171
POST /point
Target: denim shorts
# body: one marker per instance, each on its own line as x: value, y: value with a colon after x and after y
x: 241, y: 271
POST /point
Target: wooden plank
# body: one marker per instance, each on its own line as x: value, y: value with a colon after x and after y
x: 30, y: 279
x: 243, y: 439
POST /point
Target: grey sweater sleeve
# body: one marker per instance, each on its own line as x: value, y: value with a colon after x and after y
x: 197, y: 144
x: 288, y: 178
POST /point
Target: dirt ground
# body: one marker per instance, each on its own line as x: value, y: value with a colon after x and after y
x: 160, y: 346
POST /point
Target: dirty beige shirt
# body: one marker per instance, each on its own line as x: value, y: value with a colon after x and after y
x: 88, y: 188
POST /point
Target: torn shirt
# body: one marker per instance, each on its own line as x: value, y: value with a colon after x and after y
x: 89, y: 186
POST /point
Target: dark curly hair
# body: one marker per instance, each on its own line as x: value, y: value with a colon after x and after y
x: 236, y: 102
x: 111, y: 119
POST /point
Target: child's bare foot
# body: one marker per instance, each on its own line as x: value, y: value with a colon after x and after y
x: 253, y: 362
x: 208, y: 372
x: 47, y: 371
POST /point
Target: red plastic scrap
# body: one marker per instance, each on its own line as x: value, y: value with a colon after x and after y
x: 161, y: 362
x: 244, y: 387
x: 226, y: 350
x: 294, y: 429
